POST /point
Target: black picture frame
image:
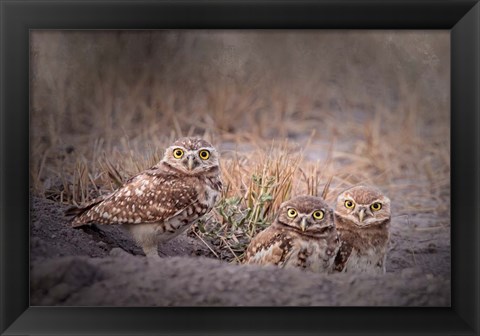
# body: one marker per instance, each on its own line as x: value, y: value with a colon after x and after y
x: 18, y: 17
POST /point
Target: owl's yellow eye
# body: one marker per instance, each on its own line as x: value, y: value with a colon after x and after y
x: 204, y: 154
x: 292, y: 213
x: 318, y: 214
x: 349, y: 204
x: 177, y: 153
x: 376, y: 206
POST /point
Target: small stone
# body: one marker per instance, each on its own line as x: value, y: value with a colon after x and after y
x: 117, y: 252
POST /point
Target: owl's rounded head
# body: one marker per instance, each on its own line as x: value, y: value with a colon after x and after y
x: 308, y: 214
x: 191, y: 155
x: 363, y: 206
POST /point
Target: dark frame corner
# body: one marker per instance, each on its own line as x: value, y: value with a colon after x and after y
x: 18, y: 17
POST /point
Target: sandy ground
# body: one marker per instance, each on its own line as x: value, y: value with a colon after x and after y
x: 103, y: 267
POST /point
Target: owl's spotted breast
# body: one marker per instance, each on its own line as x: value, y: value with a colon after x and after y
x: 314, y: 255
x: 362, y: 250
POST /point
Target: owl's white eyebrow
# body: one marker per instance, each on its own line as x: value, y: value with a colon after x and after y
x: 375, y: 201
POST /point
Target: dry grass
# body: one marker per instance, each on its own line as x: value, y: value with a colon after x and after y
x: 308, y: 128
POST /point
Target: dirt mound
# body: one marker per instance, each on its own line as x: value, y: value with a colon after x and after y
x: 126, y: 280
x: 102, y: 266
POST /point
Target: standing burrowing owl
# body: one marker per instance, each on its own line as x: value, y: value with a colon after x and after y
x: 362, y: 218
x: 303, y: 235
x: 163, y: 201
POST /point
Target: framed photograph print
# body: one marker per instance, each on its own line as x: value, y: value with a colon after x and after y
x: 239, y: 167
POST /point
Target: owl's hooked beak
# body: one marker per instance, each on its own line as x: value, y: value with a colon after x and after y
x: 191, y: 162
x: 361, y: 214
x: 303, y: 224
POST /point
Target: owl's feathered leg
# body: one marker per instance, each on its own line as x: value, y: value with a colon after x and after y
x: 151, y: 251
x: 384, y: 262
x: 146, y: 237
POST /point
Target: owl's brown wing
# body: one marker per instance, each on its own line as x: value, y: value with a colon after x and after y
x: 151, y: 196
x: 342, y: 256
x: 269, y: 247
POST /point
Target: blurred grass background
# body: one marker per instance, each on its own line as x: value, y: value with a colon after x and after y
x: 291, y: 112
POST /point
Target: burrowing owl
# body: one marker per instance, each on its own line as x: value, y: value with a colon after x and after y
x: 362, y: 218
x: 163, y: 201
x: 303, y: 235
